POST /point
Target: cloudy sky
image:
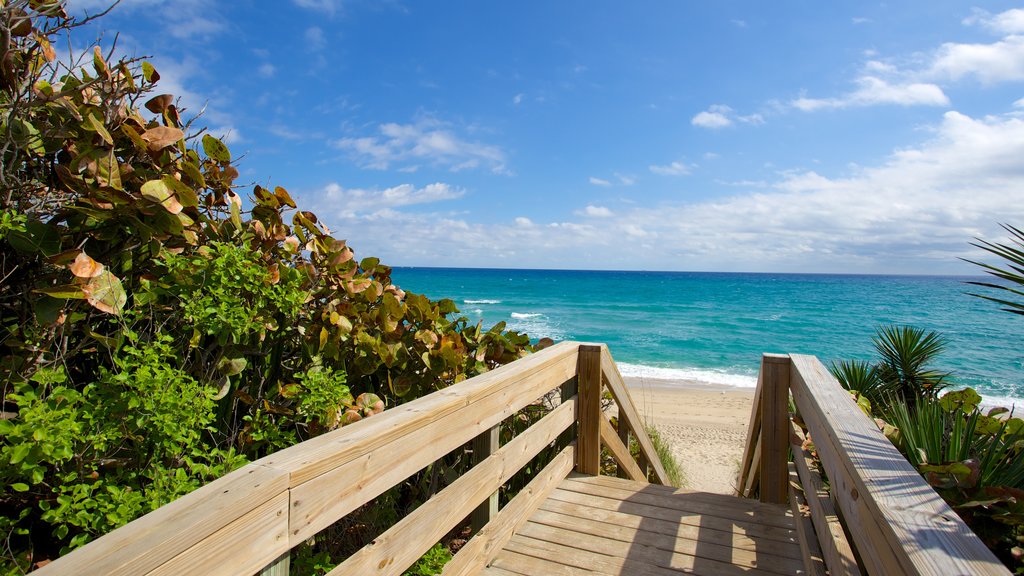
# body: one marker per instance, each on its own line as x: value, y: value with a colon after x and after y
x: 791, y: 136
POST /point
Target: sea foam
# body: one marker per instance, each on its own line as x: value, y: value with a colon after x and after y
x: 714, y: 377
x: 481, y: 301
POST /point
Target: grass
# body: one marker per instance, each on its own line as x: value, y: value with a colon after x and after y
x: 668, y: 460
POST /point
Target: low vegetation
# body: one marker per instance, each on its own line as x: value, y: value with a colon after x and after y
x: 161, y: 323
x: 973, y: 458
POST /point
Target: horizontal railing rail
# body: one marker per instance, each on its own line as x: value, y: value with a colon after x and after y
x: 249, y: 520
x: 895, y: 522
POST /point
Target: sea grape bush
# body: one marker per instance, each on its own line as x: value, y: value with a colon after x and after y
x: 157, y: 329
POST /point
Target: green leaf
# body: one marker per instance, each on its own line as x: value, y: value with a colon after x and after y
x: 97, y: 126
x: 149, y: 72
x: 106, y: 293
x: 37, y: 237
x: 20, y: 452
x: 67, y: 291
x: 216, y: 149
x: 159, y: 191
x: 19, y: 487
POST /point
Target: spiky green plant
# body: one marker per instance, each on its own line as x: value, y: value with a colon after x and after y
x: 1013, y: 254
x: 905, y: 353
x: 860, y: 377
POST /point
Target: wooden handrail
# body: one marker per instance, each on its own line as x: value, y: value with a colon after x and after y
x: 250, y: 519
x: 897, y: 523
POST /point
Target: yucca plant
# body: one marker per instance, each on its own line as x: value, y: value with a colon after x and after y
x: 902, y: 370
x: 1013, y: 273
x: 905, y: 352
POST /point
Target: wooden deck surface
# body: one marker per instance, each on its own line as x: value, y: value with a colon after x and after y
x: 604, y: 525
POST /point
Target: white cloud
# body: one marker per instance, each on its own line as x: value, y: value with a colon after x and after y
x: 353, y: 202
x: 1001, y: 61
x: 315, y: 39
x: 599, y: 181
x: 739, y: 23
x: 873, y: 91
x: 1009, y: 22
x: 625, y: 179
x: 714, y: 117
x: 860, y: 20
x: 597, y: 211
x: 722, y: 116
x: 517, y: 99
x: 914, y: 212
x: 266, y: 70
x: 328, y: 7
x: 674, y: 169
x: 427, y: 140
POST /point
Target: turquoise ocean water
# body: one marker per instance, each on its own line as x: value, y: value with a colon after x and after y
x: 713, y: 327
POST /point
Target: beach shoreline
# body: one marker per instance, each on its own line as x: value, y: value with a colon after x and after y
x: 704, y: 423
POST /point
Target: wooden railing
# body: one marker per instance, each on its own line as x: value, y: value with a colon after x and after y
x: 249, y: 520
x: 878, y: 515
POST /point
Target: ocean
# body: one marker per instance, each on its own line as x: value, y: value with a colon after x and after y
x: 713, y: 327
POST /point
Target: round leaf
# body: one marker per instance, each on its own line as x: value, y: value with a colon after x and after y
x: 216, y: 149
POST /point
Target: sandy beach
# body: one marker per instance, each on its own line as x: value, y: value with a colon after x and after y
x: 706, y: 425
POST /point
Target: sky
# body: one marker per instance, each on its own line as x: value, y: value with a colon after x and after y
x: 792, y: 136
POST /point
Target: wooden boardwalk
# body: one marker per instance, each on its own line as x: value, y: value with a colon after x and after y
x: 604, y: 525
x: 877, y: 515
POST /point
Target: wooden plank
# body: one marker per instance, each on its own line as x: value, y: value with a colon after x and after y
x: 485, y: 545
x: 242, y: 547
x: 753, y: 482
x: 835, y: 547
x: 619, y: 452
x: 681, y: 528
x: 328, y: 452
x: 774, y: 429
x: 542, y: 557
x: 402, y: 544
x: 749, y: 460
x: 588, y: 378
x: 698, y: 547
x: 641, y: 503
x: 623, y: 433
x: 578, y: 548
x: 483, y: 446
x: 380, y: 456
x: 529, y: 560
x: 813, y: 558
x: 903, y: 526
x: 143, y: 545
x: 617, y: 387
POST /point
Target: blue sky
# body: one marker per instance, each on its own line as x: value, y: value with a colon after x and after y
x: 789, y: 136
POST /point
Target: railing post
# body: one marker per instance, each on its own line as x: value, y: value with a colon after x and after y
x: 483, y: 446
x: 588, y: 378
x: 774, y: 428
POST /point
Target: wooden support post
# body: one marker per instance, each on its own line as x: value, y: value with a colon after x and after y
x: 623, y: 431
x: 278, y: 567
x: 483, y: 446
x: 588, y: 378
x: 774, y: 428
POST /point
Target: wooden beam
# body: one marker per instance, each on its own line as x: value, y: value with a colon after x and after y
x: 279, y: 567
x: 902, y: 526
x: 774, y: 428
x: 835, y: 547
x: 383, y: 450
x: 402, y: 544
x: 485, y: 545
x: 617, y: 387
x: 619, y: 452
x: 483, y: 446
x: 623, y: 433
x: 145, y: 544
x: 749, y: 460
x: 809, y: 546
x: 588, y: 377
